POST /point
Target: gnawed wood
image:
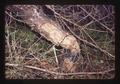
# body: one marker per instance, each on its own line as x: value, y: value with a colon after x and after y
x: 51, y: 31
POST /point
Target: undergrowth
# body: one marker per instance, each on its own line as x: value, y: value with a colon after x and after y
x: 24, y: 47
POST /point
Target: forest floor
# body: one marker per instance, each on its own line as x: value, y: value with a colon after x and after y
x: 29, y: 55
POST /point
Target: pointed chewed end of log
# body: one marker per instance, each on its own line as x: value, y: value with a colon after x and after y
x: 71, y: 43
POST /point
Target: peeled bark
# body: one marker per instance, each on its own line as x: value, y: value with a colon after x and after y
x: 50, y: 30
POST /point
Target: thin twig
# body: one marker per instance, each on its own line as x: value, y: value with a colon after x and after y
x: 7, y: 41
x: 55, y: 54
x: 14, y: 18
x: 57, y: 73
x: 90, y: 37
x: 95, y: 30
x: 86, y: 49
x: 98, y: 21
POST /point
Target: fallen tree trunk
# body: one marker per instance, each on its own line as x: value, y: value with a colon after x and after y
x: 51, y: 31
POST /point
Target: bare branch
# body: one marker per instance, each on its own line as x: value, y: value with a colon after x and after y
x: 98, y: 21
x: 57, y: 73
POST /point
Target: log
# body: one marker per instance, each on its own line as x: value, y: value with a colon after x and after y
x: 51, y: 30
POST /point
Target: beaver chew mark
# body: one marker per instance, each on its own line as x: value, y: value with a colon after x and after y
x: 60, y: 37
x: 51, y: 31
x: 55, y: 34
x: 71, y: 43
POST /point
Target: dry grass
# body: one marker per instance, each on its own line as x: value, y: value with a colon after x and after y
x: 29, y: 56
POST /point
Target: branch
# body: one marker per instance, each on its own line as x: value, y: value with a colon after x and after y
x: 14, y: 18
x: 97, y: 47
x: 98, y: 21
x: 56, y: 58
x: 57, y: 73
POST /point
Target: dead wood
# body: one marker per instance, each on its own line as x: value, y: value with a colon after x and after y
x: 50, y: 30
